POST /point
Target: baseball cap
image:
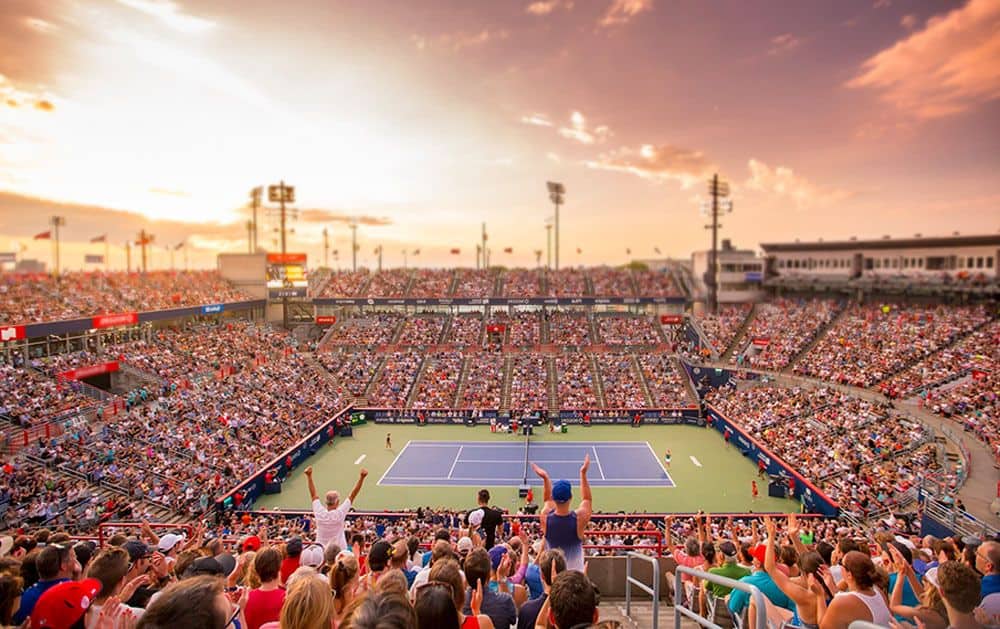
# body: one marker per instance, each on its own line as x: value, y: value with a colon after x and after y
x: 931, y: 576
x: 136, y: 550
x: 62, y: 605
x: 312, y: 556
x: 251, y: 543
x: 227, y: 561
x: 379, y: 554
x: 465, y: 545
x: 496, y: 554
x: 168, y: 541
x: 758, y: 552
x: 476, y: 517
x: 205, y: 566
x: 562, y: 491
x: 728, y: 549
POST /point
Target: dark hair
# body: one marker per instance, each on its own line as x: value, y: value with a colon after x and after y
x: 267, y: 564
x: 49, y: 561
x: 109, y: 567
x: 846, y: 545
x: 947, y: 548
x: 960, y: 586
x: 788, y: 555
x: 412, y: 545
x: 545, y: 561
x: 385, y: 610
x: 11, y: 588
x: 477, y: 568
x: 904, y: 550
x: 708, y: 552
x: 691, y: 547
x: 435, y: 607
x: 118, y: 539
x: 442, y: 534
x: 825, y: 550
x: 29, y: 570
x: 573, y: 599
x: 745, y: 555
x: 447, y: 571
x: 187, y: 604
x: 861, y: 567
x: 484, y: 495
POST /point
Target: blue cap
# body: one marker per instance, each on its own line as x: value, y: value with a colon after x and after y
x: 562, y: 491
x: 496, y: 554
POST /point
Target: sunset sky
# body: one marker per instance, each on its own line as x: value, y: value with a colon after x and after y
x: 425, y: 118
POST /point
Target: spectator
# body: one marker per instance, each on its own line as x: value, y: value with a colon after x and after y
x: 988, y: 564
x: 862, y: 600
x: 739, y: 600
x: 573, y: 601
x: 65, y: 604
x: 960, y: 591
x: 293, y: 553
x: 56, y: 564
x: 343, y: 582
x: 490, y: 519
x: 383, y: 610
x: 562, y: 527
x: 307, y: 605
x: 195, y: 603
x: 264, y: 603
x: 497, y: 603
x: 446, y: 574
x: 330, y: 520
x: 550, y: 562
x: 110, y: 567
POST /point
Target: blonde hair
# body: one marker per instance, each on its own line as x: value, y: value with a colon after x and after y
x: 249, y: 577
x: 308, y: 605
x: 343, y: 571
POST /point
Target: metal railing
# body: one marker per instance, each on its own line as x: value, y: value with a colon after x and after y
x: 680, y: 609
x: 652, y: 591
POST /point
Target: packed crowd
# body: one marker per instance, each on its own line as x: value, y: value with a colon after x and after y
x: 466, y: 330
x: 346, y: 284
x: 621, y: 382
x: 483, y: 385
x: 611, y: 282
x: 439, y: 383
x: 575, y: 383
x: 394, y: 382
x: 627, y: 330
x: 529, y: 376
x: 871, y: 343
x: 667, y: 387
x: 389, y: 283
x: 566, y: 282
x: 787, y: 326
x: 430, y: 283
x: 422, y: 330
x: 370, y: 329
x: 473, y: 283
x: 721, y: 328
x: 35, y: 298
x: 31, y: 397
x: 569, y: 329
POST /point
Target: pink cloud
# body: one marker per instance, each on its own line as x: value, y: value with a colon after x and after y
x: 544, y: 7
x: 786, y: 42
x: 944, y: 69
x: 782, y: 181
x: 622, y: 11
x: 664, y: 162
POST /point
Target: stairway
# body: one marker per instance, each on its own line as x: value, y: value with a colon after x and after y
x: 543, y: 330
x: 817, y: 337
x: 410, y: 281
x: 453, y: 284
x: 425, y: 363
x: 445, y: 329
x: 375, y: 376
x: 637, y: 370
x: 550, y: 362
x: 398, y: 332
x: 508, y: 367
x: 595, y: 373
x: 692, y: 392
x: 595, y: 337
x: 740, y: 341
x: 462, y: 375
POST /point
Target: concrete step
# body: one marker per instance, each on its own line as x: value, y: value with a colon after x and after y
x: 641, y: 616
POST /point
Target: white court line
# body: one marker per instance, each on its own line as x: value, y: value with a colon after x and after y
x: 696, y: 461
x: 660, y: 463
x: 360, y: 459
x: 393, y: 464
x: 521, y: 462
x: 597, y: 460
x: 611, y: 481
x: 455, y: 462
x: 534, y: 444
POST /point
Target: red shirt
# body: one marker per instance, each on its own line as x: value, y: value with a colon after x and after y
x: 263, y: 607
x: 288, y: 566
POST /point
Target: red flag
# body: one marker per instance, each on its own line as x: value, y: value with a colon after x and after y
x: 101, y: 238
x: 416, y: 252
x: 628, y: 252
x: 455, y: 252
x: 579, y: 250
x: 43, y: 236
x: 508, y: 249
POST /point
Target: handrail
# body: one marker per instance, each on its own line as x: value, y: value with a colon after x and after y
x: 680, y: 609
x: 652, y: 591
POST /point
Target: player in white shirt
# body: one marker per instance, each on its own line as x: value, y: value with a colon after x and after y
x: 330, y: 518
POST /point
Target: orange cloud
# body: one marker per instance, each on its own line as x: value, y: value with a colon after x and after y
x: 785, y: 42
x: 622, y: 11
x: 908, y: 21
x: 544, y: 7
x: 329, y: 216
x: 45, y: 105
x: 664, y: 162
x: 577, y: 130
x: 170, y: 14
x: 456, y: 42
x: 782, y: 181
x: 948, y: 67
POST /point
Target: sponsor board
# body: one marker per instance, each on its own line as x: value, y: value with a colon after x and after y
x: 11, y: 333
x: 212, y: 309
x: 115, y: 320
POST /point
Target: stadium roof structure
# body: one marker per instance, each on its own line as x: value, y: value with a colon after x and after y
x: 934, y: 242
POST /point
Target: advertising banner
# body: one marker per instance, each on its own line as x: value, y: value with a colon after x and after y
x: 671, y: 319
x: 494, y: 301
x: 326, y: 319
x: 115, y: 320
x: 11, y: 333
x: 213, y: 309
x: 93, y: 370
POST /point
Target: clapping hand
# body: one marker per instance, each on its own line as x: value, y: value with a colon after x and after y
x: 541, y: 473
x: 586, y: 463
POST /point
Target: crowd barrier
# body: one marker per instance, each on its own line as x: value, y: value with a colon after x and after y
x: 472, y: 417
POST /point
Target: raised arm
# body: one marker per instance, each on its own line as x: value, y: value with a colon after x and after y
x: 586, y: 500
x: 786, y: 585
x: 548, y: 504
x: 357, y: 485
x: 794, y: 534
x: 312, y: 486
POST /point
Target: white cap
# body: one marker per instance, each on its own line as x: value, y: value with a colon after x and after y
x: 168, y: 541
x: 465, y: 544
x: 312, y: 555
x: 931, y: 577
x: 476, y: 517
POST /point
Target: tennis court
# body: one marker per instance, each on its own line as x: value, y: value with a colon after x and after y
x: 473, y: 463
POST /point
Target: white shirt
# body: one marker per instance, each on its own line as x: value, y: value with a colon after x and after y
x: 330, y: 523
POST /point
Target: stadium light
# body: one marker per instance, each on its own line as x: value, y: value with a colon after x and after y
x: 718, y: 191
x: 557, y: 194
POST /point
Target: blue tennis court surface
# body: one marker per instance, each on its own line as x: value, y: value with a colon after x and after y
x: 459, y: 463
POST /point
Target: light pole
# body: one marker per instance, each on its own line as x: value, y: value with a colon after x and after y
x: 326, y: 248
x: 57, y: 222
x: 255, y: 197
x: 354, y: 244
x: 486, y: 262
x: 548, y: 243
x: 718, y: 190
x: 557, y: 194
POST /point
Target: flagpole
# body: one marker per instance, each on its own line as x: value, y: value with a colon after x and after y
x: 107, y: 253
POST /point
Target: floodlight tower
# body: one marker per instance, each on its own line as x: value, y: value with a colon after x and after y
x: 354, y: 243
x: 548, y: 242
x: 557, y: 194
x: 718, y: 191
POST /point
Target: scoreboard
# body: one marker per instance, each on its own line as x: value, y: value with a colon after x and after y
x: 287, y: 275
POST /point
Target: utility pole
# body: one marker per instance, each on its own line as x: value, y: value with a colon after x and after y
x: 326, y: 248
x: 250, y: 236
x: 548, y: 244
x: 718, y: 190
x: 557, y: 194
x: 128, y: 257
x: 57, y: 222
x: 144, y: 240
x: 354, y: 244
x: 380, y: 258
x: 486, y: 263
x: 255, y: 198
x: 282, y: 194
x: 479, y: 253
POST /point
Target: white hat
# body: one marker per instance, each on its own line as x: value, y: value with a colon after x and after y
x: 168, y: 541
x: 6, y: 545
x: 476, y: 517
x: 931, y: 577
x: 465, y: 544
x: 905, y: 542
x: 312, y: 555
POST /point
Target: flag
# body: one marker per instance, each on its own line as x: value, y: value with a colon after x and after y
x: 657, y: 250
x: 416, y: 252
x: 178, y: 246
x: 101, y: 238
x: 508, y: 249
x: 579, y: 250
x: 43, y: 236
x: 455, y: 252
x: 145, y: 240
x: 93, y: 259
x: 628, y: 252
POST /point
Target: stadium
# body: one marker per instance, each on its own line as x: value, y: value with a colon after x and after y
x: 802, y: 433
